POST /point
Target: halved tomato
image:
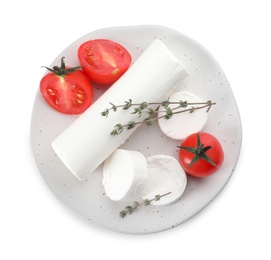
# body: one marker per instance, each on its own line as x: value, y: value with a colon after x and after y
x: 103, y: 61
x: 67, y: 90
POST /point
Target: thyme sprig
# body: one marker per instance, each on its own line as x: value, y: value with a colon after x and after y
x: 152, y: 114
x: 131, y: 208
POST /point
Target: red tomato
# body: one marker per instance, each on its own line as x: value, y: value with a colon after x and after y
x: 67, y: 90
x: 103, y: 61
x: 201, y: 154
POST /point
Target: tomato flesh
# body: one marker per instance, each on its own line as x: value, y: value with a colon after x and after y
x: 103, y: 61
x: 201, y: 168
x: 69, y: 94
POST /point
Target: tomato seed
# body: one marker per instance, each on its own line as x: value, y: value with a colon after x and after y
x: 51, y: 92
x: 80, y: 96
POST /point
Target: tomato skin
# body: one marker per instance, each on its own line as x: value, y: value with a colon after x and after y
x: 201, y: 168
x: 103, y: 61
x: 69, y: 94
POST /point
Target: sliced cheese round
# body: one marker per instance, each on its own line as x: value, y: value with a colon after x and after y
x: 180, y: 125
x: 125, y: 174
x: 165, y: 175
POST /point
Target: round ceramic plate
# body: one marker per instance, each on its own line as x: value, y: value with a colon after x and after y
x: 206, y: 80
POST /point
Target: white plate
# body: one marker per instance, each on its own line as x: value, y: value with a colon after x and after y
x: 206, y: 80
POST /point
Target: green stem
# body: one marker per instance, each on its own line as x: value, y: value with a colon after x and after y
x: 62, y: 71
x: 130, y: 209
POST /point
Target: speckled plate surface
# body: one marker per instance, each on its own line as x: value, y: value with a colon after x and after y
x: 206, y: 80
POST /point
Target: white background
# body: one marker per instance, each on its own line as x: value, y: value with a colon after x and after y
x: 36, y: 225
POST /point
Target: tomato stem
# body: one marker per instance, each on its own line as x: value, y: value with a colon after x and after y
x: 62, y: 71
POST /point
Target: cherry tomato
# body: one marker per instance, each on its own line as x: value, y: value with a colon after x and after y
x: 201, y: 154
x: 67, y: 90
x: 103, y: 61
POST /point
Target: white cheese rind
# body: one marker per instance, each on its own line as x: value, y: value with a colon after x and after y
x: 165, y: 175
x: 179, y: 126
x: 125, y: 174
x: 87, y: 142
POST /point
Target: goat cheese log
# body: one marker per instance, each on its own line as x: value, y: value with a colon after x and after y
x: 87, y: 142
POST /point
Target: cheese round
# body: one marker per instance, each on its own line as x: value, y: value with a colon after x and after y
x: 125, y: 174
x: 180, y: 125
x: 165, y: 175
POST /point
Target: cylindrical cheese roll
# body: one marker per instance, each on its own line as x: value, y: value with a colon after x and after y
x: 87, y: 142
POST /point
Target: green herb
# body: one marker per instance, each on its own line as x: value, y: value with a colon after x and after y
x: 152, y: 114
x: 62, y: 70
x: 130, y: 209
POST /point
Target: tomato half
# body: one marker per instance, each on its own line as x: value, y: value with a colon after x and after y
x: 67, y: 90
x: 103, y: 61
x: 201, y: 154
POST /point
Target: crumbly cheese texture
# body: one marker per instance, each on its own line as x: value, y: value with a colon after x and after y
x: 87, y: 142
x: 180, y: 125
x: 165, y: 175
x: 125, y: 175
